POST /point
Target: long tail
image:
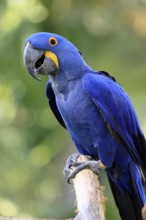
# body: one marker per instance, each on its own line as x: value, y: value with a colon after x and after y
x: 130, y: 205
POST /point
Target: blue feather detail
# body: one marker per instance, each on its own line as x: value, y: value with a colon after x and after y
x: 115, y: 106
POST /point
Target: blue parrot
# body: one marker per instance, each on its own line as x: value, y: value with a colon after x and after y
x: 98, y: 115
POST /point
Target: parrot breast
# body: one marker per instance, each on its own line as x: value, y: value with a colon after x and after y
x: 86, y: 124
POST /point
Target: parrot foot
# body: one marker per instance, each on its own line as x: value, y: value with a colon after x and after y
x: 73, y: 167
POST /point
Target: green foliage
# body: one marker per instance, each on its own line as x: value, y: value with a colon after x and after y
x: 111, y: 35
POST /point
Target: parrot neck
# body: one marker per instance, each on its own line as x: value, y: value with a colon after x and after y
x: 65, y: 80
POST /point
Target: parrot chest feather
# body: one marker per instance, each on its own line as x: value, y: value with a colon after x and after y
x: 86, y: 124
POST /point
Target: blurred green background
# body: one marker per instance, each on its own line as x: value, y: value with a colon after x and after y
x: 33, y: 146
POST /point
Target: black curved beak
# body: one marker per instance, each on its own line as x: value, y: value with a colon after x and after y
x: 36, y: 62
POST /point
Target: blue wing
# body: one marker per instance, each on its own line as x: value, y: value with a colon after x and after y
x: 117, y: 109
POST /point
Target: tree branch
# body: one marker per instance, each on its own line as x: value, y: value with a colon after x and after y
x: 89, y: 195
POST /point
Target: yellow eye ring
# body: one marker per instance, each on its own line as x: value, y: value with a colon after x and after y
x: 53, y: 41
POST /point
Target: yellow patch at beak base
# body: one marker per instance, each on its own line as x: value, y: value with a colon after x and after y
x: 53, y: 57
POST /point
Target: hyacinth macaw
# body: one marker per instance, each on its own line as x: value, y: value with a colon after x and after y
x: 98, y: 115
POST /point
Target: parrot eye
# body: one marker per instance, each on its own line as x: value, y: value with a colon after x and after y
x: 53, y: 41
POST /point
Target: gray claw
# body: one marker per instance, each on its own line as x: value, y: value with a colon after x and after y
x: 69, y: 163
x: 73, y: 167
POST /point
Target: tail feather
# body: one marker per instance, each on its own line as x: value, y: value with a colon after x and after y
x: 129, y: 206
x: 138, y: 182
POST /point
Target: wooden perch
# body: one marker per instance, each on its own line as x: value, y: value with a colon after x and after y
x: 144, y: 212
x: 89, y: 195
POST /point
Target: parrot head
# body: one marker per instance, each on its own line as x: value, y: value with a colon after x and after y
x: 49, y: 54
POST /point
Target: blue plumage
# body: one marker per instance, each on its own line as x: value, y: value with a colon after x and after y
x: 100, y: 118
